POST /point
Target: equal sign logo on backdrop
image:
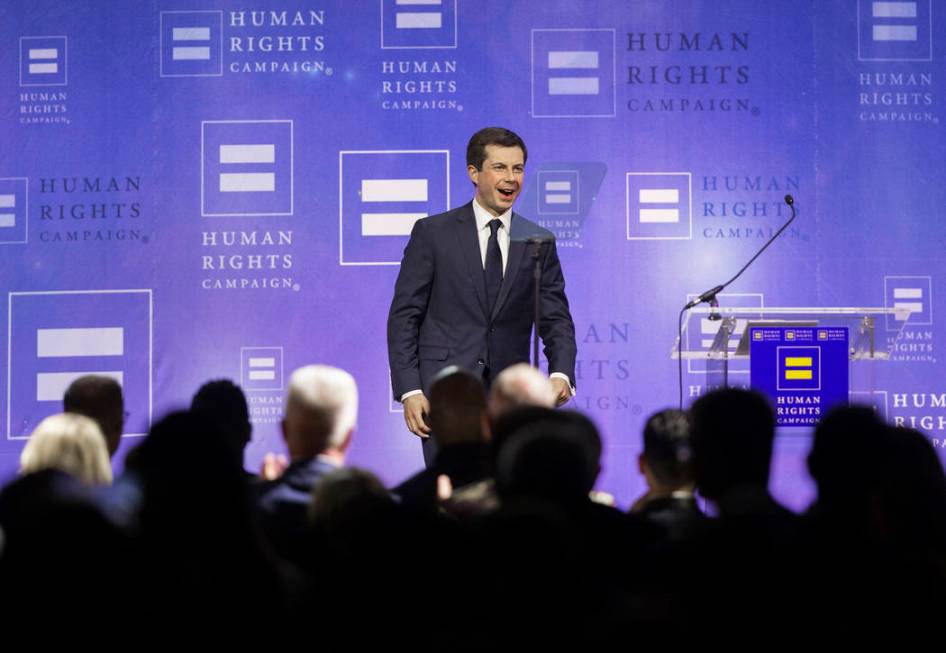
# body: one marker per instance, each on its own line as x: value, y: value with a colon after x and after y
x: 418, y: 24
x: 261, y: 368
x: 909, y: 293
x: 14, y: 199
x: 377, y: 192
x: 658, y: 206
x: 573, y: 73
x: 43, y: 61
x: 55, y: 337
x: 247, y: 168
x: 191, y: 44
x: 77, y: 343
x: 558, y: 192
x: 895, y: 30
x: 382, y: 194
x: 799, y: 368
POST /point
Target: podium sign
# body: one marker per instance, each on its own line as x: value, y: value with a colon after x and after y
x: 804, y: 370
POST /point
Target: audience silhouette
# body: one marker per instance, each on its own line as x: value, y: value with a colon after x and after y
x: 501, y: 543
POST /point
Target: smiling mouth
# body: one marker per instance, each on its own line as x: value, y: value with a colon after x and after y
x: 507, y: 192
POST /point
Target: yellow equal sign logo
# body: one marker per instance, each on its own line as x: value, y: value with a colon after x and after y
x: 798, y: 368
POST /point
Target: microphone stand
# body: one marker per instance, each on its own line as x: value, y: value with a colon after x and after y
x: 536, y: 280
x: 710, y: 295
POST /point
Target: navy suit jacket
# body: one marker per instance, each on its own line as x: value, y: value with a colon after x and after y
x: 439, y: 316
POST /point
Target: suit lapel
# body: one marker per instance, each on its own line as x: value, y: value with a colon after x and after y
x: 517, y: 247
x: 470, y: 247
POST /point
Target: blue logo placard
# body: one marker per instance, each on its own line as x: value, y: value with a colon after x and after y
x: 803, y: 370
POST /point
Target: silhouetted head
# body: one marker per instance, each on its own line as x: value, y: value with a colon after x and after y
x: 667, y: 458
x: 732, y: 432
x: 847, y: 454
x: 914, y: 493
x: 346, y: 496
x: 556, y: 460
x: 321, y: 410
x: 458, y: 408
x: 223, y: 403
x: 100, y: 398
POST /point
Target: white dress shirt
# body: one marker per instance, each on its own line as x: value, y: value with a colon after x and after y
x: 483, y: 218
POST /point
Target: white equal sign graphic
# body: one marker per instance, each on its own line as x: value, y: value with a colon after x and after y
x: 892, y: 31
x: 907, y: 299
x: 659, y: 196
x: 74, y: 343
x: 710, y: 328
x: 262, y: 368
x: 44, y: 55
x: 247, y: 182
x: 418, y: 19
x: 190, y: 52
x: 558, y: 192
x: 392, y: 190
x: 7, y: 202
x: 574, y: 84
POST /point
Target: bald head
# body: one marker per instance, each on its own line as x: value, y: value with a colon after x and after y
x: 458, y: 409
x: 517, y: 386
x: 321, y: 410
x: 99, y: 398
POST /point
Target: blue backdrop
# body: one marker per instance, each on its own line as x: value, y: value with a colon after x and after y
x: 183, y: 190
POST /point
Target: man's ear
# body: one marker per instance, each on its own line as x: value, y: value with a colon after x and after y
x: 343, y: 447
x: 642, y: 464
x: 473, y: 173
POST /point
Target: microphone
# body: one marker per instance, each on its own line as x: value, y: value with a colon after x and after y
x: 710, y: 295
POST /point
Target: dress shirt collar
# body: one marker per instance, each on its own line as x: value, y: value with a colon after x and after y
x: 483, y: 217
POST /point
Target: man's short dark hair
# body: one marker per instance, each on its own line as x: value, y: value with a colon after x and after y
x: 100, y: 398
x: 733, y: 432
x: 555, y: 459
x: 476, y: 149
x: 667, y: 447
x: 223, y: 403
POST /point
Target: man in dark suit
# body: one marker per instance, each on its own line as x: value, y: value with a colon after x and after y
x: 464, y: 294
x: 321, y: 411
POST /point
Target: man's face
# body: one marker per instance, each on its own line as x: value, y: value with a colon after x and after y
x: 499, y: 182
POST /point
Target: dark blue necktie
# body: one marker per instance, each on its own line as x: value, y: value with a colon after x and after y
x: 494, y: 264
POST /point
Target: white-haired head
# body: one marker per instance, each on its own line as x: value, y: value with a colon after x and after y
x: 321, y: 410
x: 520, y: 385
x: 70, y: 443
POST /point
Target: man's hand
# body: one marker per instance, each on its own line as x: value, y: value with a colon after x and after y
x: 416, y: 410
x: 563, y: 391
x: 273, y: 466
